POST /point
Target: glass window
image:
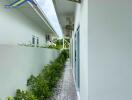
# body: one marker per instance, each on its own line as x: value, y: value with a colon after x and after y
x: 33, y: 40
x: 37, y: 41
x: 47, y: 37
x: 77, y: 57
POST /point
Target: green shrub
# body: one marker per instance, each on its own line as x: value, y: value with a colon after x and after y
x: 9, y: 98
x: 24, y: 95
x: 41, y: 87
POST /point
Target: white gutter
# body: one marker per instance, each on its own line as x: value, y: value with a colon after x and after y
x: 42, y: 15
x: 55, y: 6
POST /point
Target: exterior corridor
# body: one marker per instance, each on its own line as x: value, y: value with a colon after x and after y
x: 66, y: 85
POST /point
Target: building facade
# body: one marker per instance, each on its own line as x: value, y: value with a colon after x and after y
x: 73, y: 18
x: 100, y: 47
x: 25, y: 24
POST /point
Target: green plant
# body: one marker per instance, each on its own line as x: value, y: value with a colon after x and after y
x: 24, y: 95
x: 9, y: 98
x: 41, y: 87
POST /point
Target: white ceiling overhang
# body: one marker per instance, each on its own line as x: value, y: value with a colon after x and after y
x: 35, y: 13
x: 65, y: 10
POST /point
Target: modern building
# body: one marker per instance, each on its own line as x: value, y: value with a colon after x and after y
x: 23, y: 24
x: 100, y: 32
x: 100, y: 51
x: 73, y: 18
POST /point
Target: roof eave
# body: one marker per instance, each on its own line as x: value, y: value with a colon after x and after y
x: 42, y: 15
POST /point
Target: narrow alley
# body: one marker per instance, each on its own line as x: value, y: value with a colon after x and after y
x: 66, y: 88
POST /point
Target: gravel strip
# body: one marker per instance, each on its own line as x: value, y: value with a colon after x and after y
x: 65, y: 89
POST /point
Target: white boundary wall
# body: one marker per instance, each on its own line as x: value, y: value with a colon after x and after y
x: 18, y: 63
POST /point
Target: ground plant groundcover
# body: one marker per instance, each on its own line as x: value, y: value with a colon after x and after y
x: 41, y: 87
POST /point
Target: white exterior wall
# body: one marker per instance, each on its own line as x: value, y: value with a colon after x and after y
x: 84, y: 51
x: 110, y: 50
x: 18, y: 63
x: 81, y: 18
x: 16, y: 28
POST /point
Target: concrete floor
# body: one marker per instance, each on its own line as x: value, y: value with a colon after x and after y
x: 66, y: 85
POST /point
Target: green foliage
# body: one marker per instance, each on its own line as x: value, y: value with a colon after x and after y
x: 9, y: 98
x: 58, y: 47
x: 41, y: 87
x: 59, y: 43
x: 24, y: 95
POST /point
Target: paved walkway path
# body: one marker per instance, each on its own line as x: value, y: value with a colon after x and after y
x: 66, y: 86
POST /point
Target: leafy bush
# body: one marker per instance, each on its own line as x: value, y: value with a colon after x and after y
x: 24, y: 95
x: 41, y: 87
x: 9, y: 98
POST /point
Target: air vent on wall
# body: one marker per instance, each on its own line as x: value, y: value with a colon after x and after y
x: 78, y: 1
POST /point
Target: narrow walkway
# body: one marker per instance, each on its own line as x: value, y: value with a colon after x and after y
x: 66, y: 88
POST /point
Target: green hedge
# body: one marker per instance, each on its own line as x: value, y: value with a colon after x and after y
x: 41, y: 87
